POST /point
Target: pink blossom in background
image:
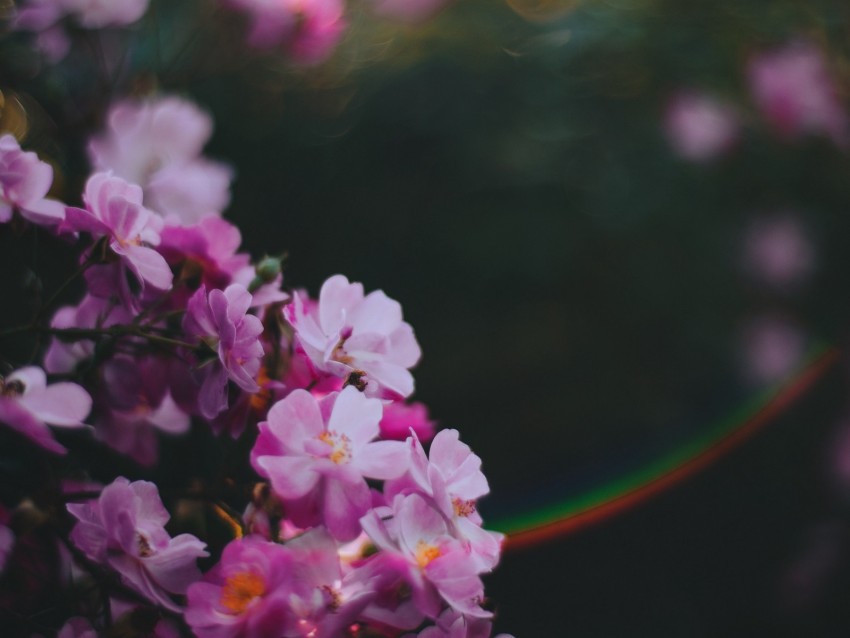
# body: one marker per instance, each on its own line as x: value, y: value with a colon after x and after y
x: 246, y: 594
x: 114, y: 210
x: 28, y: 405
x: 347, y: 332
x: 221, y: 320
x: 77, y: 628
x: 157, y: 144
x: 202, y: 254
x: 772, y: 346
x: 125, y: 529
x: 307, y: 29
x: 96, y: 14
x: 24, y: 182
x: 699, y: 126
x: 407, y: 10
x: 778, y: 252
x: 318, y: 455
x: 796, y: 93
x: 62, y: 357
x: 135, y: 405
x: 399, y: 418
x: 43, y: 17
x: 7, y: 538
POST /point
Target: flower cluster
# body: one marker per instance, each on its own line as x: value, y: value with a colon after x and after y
x: 350, y: 526
x: 794, y: 93
x: 307, y: 31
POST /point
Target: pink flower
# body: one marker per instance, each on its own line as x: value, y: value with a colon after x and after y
x: 326, y: 600
x: 417, y: 543
x: 135, y: 405
x: 318, y: 454
x: 96, y: 14
x: 772, y: 346
x: 157, y: 144
x: 794, y: 90
x: 362, y: 338
x: 125, y: 529
x: 452, y: 477
x: 114, y: 210
x: 43, y: 15
x: 63, y: 357
x: 307, y: 29
x: 246, y: 594
x: 203, y: 254
x: 77, y: 627
x: 7, y: 539
x: 453, y: 624
x: 28, y: 404
x: 220, y: 320
x: 24, y: 182
x: 399, y: 418
x: 778, y: 252
x: 699, y: 126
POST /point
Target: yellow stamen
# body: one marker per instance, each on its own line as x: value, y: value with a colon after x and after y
x: 240, y: 590
x: 425, y: 553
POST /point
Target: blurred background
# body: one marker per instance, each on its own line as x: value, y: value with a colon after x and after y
x: 613, y: 224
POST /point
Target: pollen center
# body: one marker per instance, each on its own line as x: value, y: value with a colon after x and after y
x: 12, y: 388
x: 144, y: 545
x: 339, y: 353
x: 341, y: 444
x: 240, y: 589
x: 425, y: 553
x: 463, y: 508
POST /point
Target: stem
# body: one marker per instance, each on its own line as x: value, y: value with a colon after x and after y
x: 56, y: 293
x: 76, y: 334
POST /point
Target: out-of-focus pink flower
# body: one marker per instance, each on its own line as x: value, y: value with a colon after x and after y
x: 399, y: 418
x: 408, y: 10
x: 699, y: 126
x: 246, y: 594
x: 77, y: 627
x: 793, y: 88
x: 202, y: 254
x: 96, y: 14
x: 135, y: 405
x: 220, y: 320
x: 777, y: 251
x: 307, y: 29
x: 417, y: 543
x: 320, y: 453
x: 7, y: 538
x: 27, y: 404
x: 114, y: 210
x: 24, y: 182
x: 157, y: 144
x: 772, y: 347
x: 346, y: 334
x: 125, y: 529
x: 63, y: 357
x: 42, y: 15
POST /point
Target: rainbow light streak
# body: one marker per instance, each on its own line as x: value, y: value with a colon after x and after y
x: 619, y: 495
